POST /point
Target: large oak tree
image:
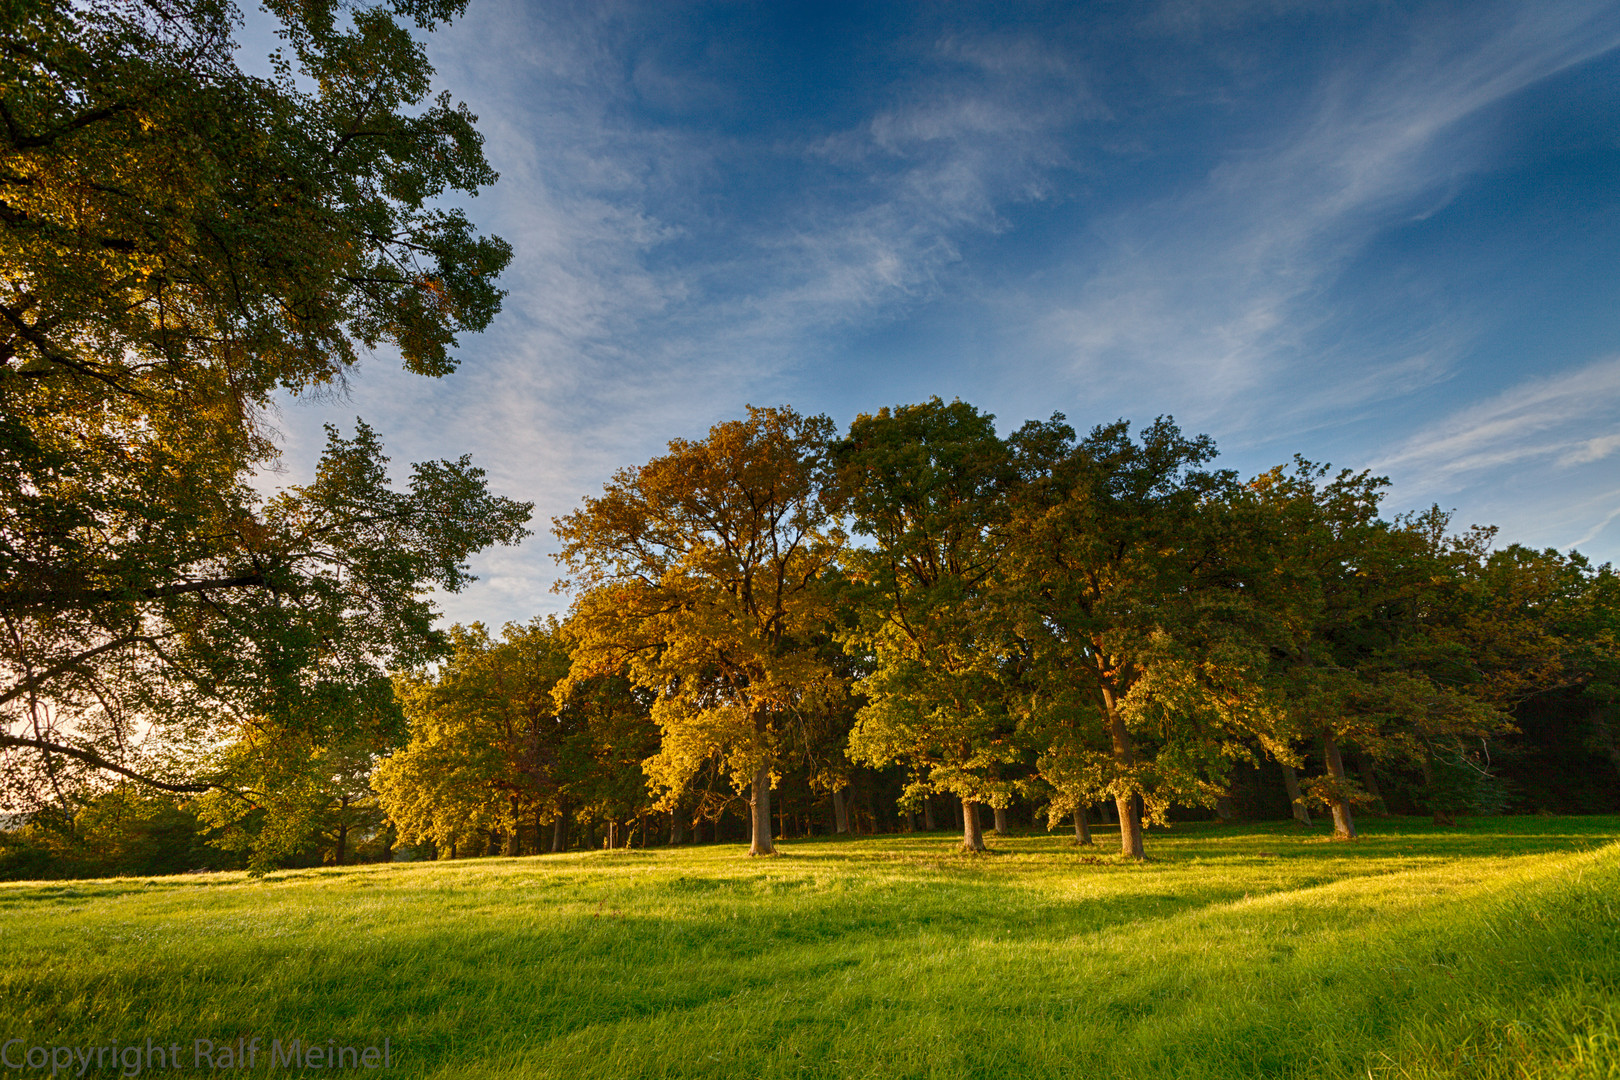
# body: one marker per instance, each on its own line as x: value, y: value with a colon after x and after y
x: 701, y: 572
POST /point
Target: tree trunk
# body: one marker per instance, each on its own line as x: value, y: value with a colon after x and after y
x: 1130, y: 822
x: 677, y: 835
x: 514, y: 843
x: 1604, y: 736
x: 1082, y: 827
x: 1001, y: 822
x: 1344, y: 823
x: 1223, y: 808
x: 911, y: 821
x: 1369, y: 780
x: 343, y: 830
x: 928, y: 813
x: 972, y: 837
x: 961, y: 819
x: 840, y: 809
x: 761, y: 800
x: 1296, y: 798
x: 1130, y: 827
x: 559, y: 833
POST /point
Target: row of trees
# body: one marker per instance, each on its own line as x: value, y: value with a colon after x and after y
x: 954, y: 624
x: 1042, y: 616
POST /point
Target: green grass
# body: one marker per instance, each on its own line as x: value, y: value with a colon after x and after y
x: 1489, y: 950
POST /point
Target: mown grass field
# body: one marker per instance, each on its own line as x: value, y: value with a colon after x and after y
x: 1489, y: 950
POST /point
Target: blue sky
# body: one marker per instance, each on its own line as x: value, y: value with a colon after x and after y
x: 1379, y: 235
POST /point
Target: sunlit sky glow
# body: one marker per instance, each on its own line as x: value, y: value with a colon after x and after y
x: 1378, y: 235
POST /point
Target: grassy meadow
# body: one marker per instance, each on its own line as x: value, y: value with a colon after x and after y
x: 1487, y: 950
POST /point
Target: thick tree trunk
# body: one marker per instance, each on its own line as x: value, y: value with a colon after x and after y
x: 1001, y: 822
x: 928, y: 813
x: 1130, y: 822
x: 1223, y: 808
x: 840, y: 809
x: 1082, y: 827
x: 1344, y: 823
x: 677, y: 835
x: 972, y: 836
x: 911, y: 821
x: 1296, y: 798
x: 761, y: 844
x: 1130, y: 827
x: 559, y: 833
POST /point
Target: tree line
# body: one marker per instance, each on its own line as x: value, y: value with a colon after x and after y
x: 957, y: 623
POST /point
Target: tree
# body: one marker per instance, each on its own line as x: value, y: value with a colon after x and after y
x: 1125, y: 590
x: 701, y: 574
x: 926, y: 484
x: 179, y: 241
x: 1385, y: 635
x: 487, y: 740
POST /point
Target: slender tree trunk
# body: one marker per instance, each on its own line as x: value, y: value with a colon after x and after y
x: 840, y: 809
x: 762, y: 813
x: 1001, y: 822
x: 343, y: 830
x: 1369, y: 780
x: 911, y: 821
x: 1344, y: 823
x: 452, y: 849
x: 676, y: 835
x: 1082, y: 827
x: 514, y: 843
x: 928, y: 813
x: 559, y: 833
x: 972, y: 836
x: 1296, y: 798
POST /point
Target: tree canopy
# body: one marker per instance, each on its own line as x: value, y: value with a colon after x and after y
x: 179, y: 241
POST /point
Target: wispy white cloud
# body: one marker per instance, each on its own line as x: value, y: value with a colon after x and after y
x: 1220, y: 297
x: 1548, y: 420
